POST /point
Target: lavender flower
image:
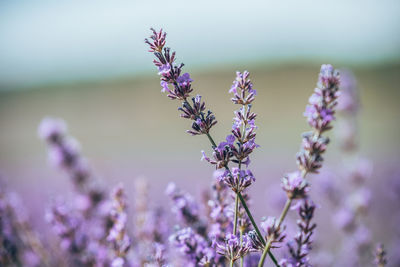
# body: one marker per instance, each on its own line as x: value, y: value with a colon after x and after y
x: 179, y: 86
x: 320, y: 111
x: 157, y: 41
x: 185, y: 207
x: 118, y: 233
x: 300, y: 247
x: 274, y: 233
x: 151, y: 228
x: 295, y: 185
x: 220, y: 212
x: 193, y: 246
x: 243, y: 128
x: 68, y: 227
x: 238, y: 179
x: 240, y: 87
x: 64, y: 152
x: 221, y: 155
x: 19, y: 244
x: 232, y: 248
x: 349, y: 100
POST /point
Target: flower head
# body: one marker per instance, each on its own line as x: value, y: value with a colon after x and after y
x: 232, y: 248
x: 273, y: 231
x: 295, y: 185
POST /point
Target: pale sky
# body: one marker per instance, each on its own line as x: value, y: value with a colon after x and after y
x: 54, y: 41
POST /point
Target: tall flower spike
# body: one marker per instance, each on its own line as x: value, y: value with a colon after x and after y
x: 320, y: 111
x: 300, y: 247
x: 185, y: 208
x: 241, y: 86
x: 193, y: 246
x: 64, y: 152
x: 178, y: 85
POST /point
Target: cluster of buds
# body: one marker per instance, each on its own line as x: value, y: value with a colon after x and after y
x: 274, y: 233
x: 184, y: 207
x: 178, y: 85
x: 64, y: 152
x: 238, y: 179
x: 320, y: 111
x: 243, y: 128
x: 193, y: 246
x: 309, y: 157
x: 221, y: 154
x: 295, y: 186
x: 67, y: 227
x: 118, y: 233
x: 241, y: 86
x: 300, y: 247
x: 232, y: 248
x: 220, y: 211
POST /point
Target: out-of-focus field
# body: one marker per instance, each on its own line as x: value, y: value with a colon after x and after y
x: 127, y: 129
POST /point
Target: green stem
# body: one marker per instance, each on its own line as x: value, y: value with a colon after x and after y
x: 281, y: 218
x: 269, y: 243
x: 241, y: 242
x: 236, y: 214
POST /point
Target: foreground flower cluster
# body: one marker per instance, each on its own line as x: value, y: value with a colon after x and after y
x: 96, y: 229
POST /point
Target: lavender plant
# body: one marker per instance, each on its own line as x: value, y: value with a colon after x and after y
x: 348, y: 194
x: 239, y: 145
x: 96, y: 230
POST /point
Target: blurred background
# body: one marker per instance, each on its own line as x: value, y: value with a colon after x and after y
x: 86, y: 62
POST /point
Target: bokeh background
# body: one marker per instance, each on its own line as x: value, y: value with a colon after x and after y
x: 86, y: 62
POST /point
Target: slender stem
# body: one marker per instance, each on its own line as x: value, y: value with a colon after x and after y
x: 281, y: 218
x: 241, y: 242
x: 211, y: 140
x: 269, y: 243
x: 236, y: 214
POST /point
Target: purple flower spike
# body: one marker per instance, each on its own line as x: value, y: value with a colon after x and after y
x: 192, y: 111
x: 232, y: 249
x: 239, y: 180
x: 320, y: 111
x: 51, y: 129
x: 192, y: 245
x: 273, y: 231
x: 179, y: 86
x: 300, y: 247
x: 157, y: 41
x: 221, y: 155
x: 203, y: 124
x: 185, y: 207
x: 242, y: 86
x: 295, y: 185
x: 118, y: 236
